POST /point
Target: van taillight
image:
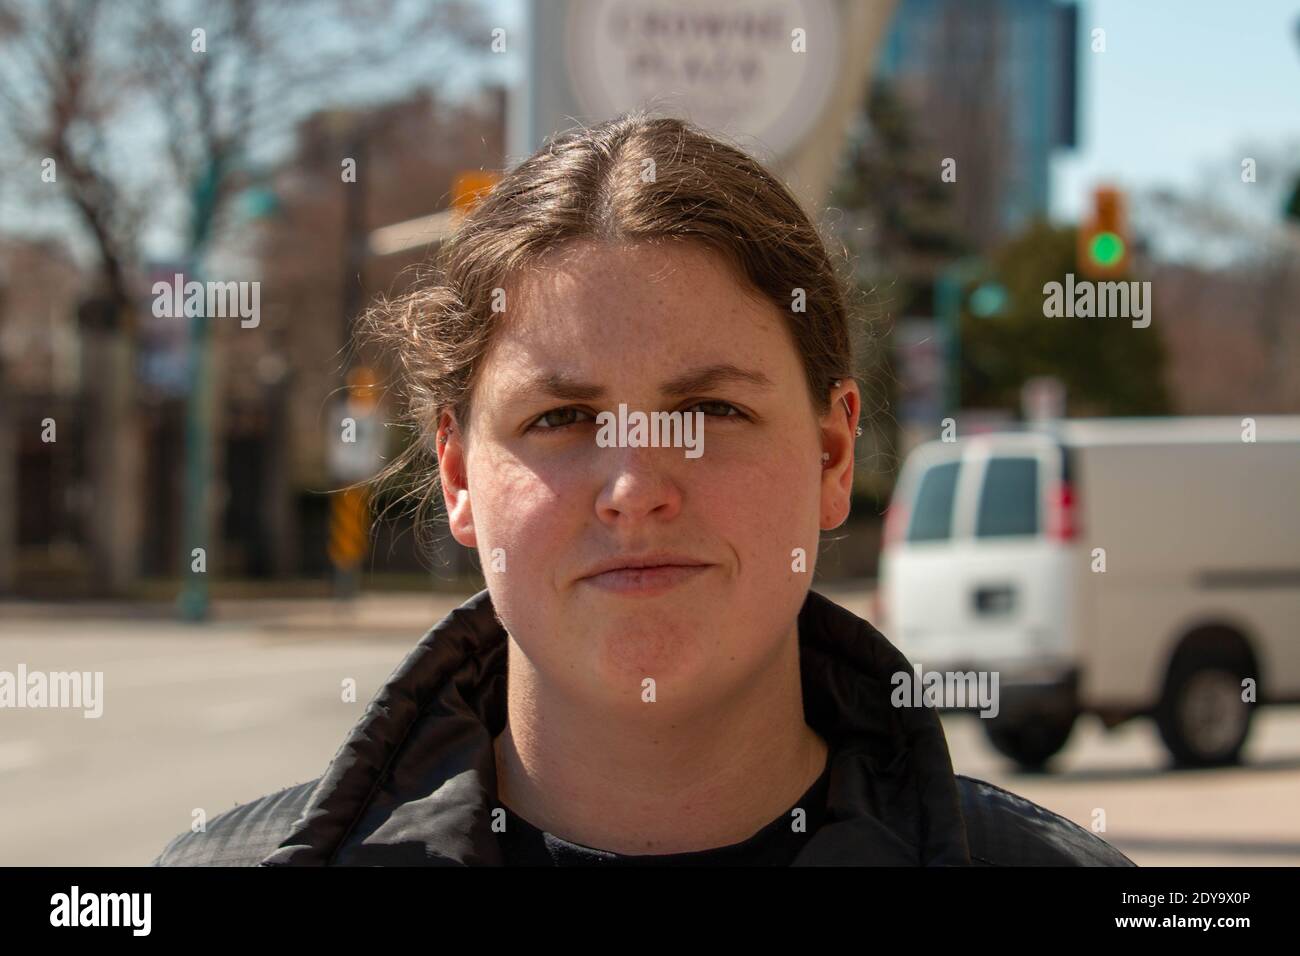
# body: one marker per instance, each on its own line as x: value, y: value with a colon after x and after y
x: 1062, y: 513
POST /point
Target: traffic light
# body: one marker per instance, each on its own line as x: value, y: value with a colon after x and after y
x: 988, y: 299
x: 1103, y: 237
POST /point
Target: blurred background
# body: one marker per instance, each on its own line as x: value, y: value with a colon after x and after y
x: 171, y: 511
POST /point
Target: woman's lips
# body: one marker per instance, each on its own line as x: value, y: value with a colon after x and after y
x: 645, y: 581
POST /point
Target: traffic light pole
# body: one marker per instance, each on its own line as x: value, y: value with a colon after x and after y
x: 949, y: 287
x: 349, y: 513
x: 193, y: 600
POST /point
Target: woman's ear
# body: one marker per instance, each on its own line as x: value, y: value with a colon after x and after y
x: 454, y: 480
x: 839, y: 430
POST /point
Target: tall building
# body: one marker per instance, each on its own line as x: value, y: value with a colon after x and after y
x: 992, y: 84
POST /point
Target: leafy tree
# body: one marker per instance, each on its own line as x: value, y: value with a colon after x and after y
x: 897, y: 214
x: 1108, y: 366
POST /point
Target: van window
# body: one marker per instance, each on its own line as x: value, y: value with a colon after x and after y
x: 932, y: 513
x: 1009, y: 499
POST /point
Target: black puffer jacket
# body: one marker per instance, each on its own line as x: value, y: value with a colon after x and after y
x: 415, y: 782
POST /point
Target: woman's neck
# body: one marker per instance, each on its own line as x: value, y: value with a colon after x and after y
x: 657, y: 781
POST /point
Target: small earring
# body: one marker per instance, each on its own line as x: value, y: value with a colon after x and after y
x: 826, y: 456
x: 845, y: 400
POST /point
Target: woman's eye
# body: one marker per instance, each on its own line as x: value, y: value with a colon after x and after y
x: 719, y: 404
x: 549, y: 418
x: 560, y: 418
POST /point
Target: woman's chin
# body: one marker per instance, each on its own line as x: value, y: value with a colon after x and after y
x: 650, y: 665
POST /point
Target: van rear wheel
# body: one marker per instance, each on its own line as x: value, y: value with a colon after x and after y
x: 1029, y: 739
x: 1201, y: 717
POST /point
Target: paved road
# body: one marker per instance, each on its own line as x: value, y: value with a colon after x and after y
x: 254, y: 703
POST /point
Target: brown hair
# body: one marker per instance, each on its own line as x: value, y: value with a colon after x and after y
x: 635, y: 178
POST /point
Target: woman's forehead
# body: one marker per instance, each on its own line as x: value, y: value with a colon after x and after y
x: 610, y: 314
x: 630, y: 338
x: 597, y: 291
x: 591, y: 268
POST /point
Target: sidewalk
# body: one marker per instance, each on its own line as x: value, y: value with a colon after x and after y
x: 402, y: 612
x: 405, y: 612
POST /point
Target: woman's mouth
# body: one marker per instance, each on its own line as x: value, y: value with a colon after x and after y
x: 645, y: 582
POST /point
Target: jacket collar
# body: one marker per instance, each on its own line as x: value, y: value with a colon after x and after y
x: 415, y: 781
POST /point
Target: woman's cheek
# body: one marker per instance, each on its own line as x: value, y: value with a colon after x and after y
x: 759, y: 510
x: 522, y: 521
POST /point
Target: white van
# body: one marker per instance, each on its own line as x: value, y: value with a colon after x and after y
x: 1117, y: 567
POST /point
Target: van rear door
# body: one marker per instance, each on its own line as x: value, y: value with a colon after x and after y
x: 993, y: 585
x: 1017, y: 571
x: 919, y: 559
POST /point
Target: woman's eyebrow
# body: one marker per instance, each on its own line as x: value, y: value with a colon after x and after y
x: 559, y: 385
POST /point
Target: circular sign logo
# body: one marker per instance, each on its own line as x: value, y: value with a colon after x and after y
x: 757, y: 70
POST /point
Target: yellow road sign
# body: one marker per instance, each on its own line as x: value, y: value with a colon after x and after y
x: 349, y: 532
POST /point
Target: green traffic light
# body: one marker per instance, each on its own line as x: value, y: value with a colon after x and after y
x: 1106, y: 249
x: 988, y: 300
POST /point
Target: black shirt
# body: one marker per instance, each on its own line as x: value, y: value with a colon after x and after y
x: 777, y: 844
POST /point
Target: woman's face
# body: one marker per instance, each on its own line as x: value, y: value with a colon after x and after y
x: 545, y: 504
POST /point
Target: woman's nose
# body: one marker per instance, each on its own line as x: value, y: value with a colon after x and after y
x: 639, y: 483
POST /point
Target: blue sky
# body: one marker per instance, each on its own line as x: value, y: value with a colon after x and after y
x: 1183, y: 85
x: 1184, y: 89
